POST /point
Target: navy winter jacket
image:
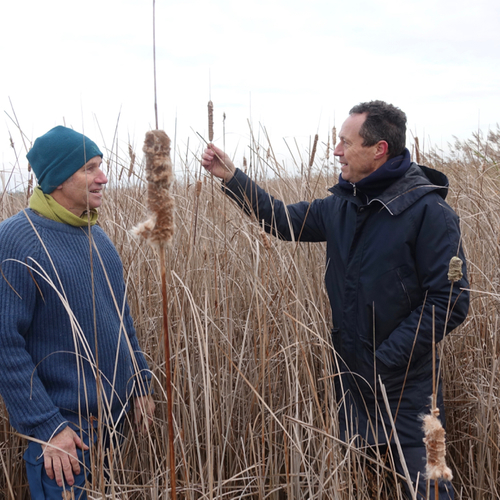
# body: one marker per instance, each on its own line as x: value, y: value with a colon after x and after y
x: 387, y: 263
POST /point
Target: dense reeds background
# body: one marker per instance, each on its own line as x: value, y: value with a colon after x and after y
x: 249, y: 325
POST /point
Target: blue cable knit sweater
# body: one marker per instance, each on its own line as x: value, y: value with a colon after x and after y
x: 66, y: 334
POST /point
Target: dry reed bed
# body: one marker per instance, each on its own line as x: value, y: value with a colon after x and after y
x: 249, y: 323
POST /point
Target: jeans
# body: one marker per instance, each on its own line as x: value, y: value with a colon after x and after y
x: 44, y: 488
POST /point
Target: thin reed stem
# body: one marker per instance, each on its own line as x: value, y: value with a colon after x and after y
x: 168, y: 371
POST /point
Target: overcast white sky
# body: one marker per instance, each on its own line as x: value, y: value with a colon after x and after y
x: 296, y: 67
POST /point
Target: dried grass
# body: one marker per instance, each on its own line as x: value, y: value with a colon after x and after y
x: 253, y: 403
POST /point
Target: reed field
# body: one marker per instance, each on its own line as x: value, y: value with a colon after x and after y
x: 249, y: 322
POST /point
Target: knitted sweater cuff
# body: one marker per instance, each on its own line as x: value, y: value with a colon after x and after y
x: 50, y: 428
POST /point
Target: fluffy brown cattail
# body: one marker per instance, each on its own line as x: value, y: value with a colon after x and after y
x: 435, y: 445
x: 455, y: 269
x: 210, y: 121
x: 159, y: 227
x: 334, y: 137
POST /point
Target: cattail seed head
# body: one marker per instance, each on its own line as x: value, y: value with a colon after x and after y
x: 455, y: 269
x: 265, y: 240
x: 313, y: 153
x: 435, y: 445
x: 159, y: 227
x: 210, y: 121
x: 417, y: 150
x: 198, y: 188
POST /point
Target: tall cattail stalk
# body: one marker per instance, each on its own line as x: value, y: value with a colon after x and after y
x: 154, y: 63
x: 158, y: 229
x: 435, y: 435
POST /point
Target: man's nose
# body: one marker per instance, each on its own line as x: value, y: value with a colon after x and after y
x: 101, y: 178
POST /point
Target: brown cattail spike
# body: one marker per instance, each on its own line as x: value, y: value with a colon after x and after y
x: 265, y: 240
x: 313, y: 154
x: 455, y: 269
x: 159, y: 227
x: 210, y: 121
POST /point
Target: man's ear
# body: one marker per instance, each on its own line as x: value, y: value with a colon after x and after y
x: 382, y: 149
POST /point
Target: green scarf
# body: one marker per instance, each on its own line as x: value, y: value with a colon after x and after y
x: 46, y: 206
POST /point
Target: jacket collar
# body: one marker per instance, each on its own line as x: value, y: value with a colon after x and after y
x: 380, y: 179
x: 402, y: 192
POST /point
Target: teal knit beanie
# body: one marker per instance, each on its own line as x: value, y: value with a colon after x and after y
x: 58, y: 154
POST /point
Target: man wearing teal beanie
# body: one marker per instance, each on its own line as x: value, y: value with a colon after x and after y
x: 58, y: 154
x: 62, y: 308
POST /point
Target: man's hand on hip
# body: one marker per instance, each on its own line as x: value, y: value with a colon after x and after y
x: 60, y: 458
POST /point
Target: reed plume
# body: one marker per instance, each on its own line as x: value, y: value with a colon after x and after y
x: 132, y: 161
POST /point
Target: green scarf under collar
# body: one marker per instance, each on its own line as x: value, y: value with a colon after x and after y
x: 46, y: 206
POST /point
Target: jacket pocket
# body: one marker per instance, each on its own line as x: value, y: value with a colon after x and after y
x: 409, y: 286
x: 389, y: 299
x: 336, y: 339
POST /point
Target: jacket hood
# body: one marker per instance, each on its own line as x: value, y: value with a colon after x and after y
x: 406, y: 190
x: 379, y: 180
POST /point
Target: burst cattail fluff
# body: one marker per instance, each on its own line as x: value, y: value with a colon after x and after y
x: 455, y: 269
x: 435, y: 445
x: 159, y: 227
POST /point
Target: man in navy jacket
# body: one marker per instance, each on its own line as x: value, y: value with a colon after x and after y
x: 390, y: 238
